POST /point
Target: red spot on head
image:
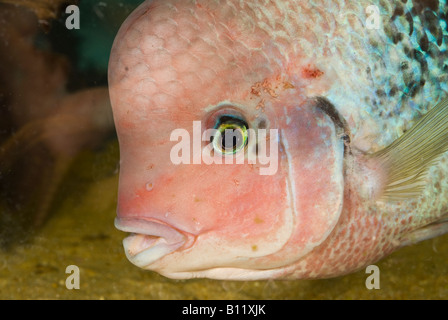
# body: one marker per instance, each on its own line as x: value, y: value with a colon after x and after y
x: 311, y: 72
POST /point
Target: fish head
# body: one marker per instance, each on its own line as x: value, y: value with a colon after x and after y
x: 179, y: 74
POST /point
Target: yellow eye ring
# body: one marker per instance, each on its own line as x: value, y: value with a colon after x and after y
x: 231, y: 135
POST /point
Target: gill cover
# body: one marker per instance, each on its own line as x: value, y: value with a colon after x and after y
x: 312, y: 142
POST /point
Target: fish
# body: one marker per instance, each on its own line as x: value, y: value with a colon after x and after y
x: 351, y: 96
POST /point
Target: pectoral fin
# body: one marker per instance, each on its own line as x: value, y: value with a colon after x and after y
x: 407, y: 159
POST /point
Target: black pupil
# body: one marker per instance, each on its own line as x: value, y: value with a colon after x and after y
x: 233, y: 140
x: 232, y: 136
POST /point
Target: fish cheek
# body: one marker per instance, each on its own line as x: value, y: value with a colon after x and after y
x: 244, y: 218
x: 217, y: 195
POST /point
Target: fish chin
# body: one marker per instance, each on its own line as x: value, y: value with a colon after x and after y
x: 176, y: 254
x: 235, y: 274
x: 149, y: 240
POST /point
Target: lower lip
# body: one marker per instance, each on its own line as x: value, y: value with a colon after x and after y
x: 149, y: 240
x: 143, y: 250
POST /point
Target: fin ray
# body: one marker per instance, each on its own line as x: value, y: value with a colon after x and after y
x: 408, y: 158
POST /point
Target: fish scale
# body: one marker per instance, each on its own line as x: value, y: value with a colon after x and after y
x: 177, y: 61
x: 395, y: 75
x: 398, y: 79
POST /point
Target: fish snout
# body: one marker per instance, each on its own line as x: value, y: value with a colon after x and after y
x: 149, y: 240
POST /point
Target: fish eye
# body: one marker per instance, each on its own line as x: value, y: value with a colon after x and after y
x: 231, y: 134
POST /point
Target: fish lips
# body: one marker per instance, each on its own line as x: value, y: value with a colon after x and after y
x: 149, y: 241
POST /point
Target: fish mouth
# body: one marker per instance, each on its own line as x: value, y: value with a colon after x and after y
x: 149, y: 241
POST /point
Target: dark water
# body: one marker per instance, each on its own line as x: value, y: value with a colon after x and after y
x: 76, y: 227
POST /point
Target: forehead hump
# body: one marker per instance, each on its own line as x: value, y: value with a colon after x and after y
x: 172, y: 55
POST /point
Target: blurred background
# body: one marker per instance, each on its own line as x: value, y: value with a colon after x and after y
x: 59, y: 162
